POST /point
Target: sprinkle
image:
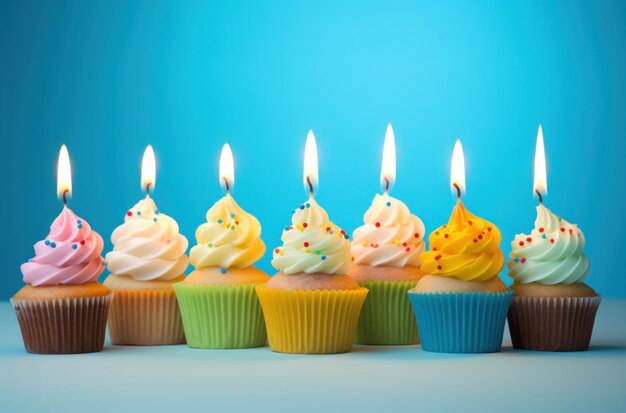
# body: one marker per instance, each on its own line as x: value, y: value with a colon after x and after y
x: 439, y: 267
x: 232, y: 227
x: 53, y: 244
x: 47, y: 242
x: 79, y: 221
x: 562, y: 229
x: 323, y: 257
x: 82, y: 242
x: 307, y: 250
x: 434, y: 248
x: 232, y: 215
x: 74, y: 246
x: 570, y: 231
x: 475, y: 240
x: 80, y: 226
x: 446, y: 236
x: 343, y: 232
x: 277, y: 250
x: 209, y: 244
x: 521, y: 243
x: 301, y: 206
x: 377, y: 224
x: 327, y: 229
x: 129, y: 213
x: 306, y: 244
x: 516, y: 260
x: 552, y: 241
x: 416, y: 235
x: 408, y: 249
x: 287, y: 228
x: 388, y: 203
x: 331, y: 232
x: 282, y: 253
x: 308, y: 205
x: 138, y: 212
x: 488, y: 228
x: 346, y: 236
x: 469, y: 222
x: 156, y: 211
x: 352, y: 258
x: 437, y: 257
x: 436, y: 232
x: 404, y: 244
x: 219, y: 221
x: 529, y: 239
x: 480, y: 236
x: 318, y: 252
x: 154, y: 219
x: 397, y: 242
x: 541, y: 229
x: 365, y: 244
x: 304, y: 224
x: 236, y: 222
x: 522, y: 260
x: 544, y: 236
x: 223, y: 270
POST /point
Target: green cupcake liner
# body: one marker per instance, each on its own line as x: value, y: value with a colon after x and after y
x: 221, y: 316
x: 387, y: 317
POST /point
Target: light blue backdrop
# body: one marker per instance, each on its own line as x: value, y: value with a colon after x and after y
x: 107, y: 78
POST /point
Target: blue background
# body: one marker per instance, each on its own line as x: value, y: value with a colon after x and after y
x: 108, y: 78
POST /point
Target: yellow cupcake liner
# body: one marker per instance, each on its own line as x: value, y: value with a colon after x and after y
x: 311, y: 322
x: 145, y: 318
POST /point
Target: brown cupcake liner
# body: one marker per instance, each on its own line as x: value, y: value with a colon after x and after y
x: 63, y: 326
x: 145, y: 318
x: 552, y: 323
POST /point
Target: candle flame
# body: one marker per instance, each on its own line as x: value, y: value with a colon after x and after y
x: 64, y: 173
x: 457, y: 172
x: 310, y: 178
x: 227, y: 168
x: 388, y: 169
x: 148, y: 169
x: 541, y: 178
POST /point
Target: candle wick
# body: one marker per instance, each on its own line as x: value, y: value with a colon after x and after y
x: 540, y: 197
x: 148, y: 189
x: 458, y: 191
x: 226, y: 184
x: 65, y: 197
x: 308, y: 181
x: 386, y: 185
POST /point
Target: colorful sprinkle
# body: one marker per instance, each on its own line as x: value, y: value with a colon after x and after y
x: 219, y: 221
x: 154, y: 219
x: 408, y: 249
x: 521, y: 243
x: 541, y: 229
x: 323, y: 257
x: 318, y: 252
x: 343, y: 232
x: 562, y: 229
x: 377, y: 224
x: 301, y: 207
x: 223, y: 270
x: 79, y: 221
x: 469, y: 222
x: 480, y: 236
x: 434, y: 248
x: 129, y: 213
x: 364, y: 244
x: 138, y: 212
x: 397, y: 242
x: 232, y: 227
x: 529, y: 239
x: 475, y: 240
x: 488, y: 228
x: 47, y: 242
x: 74, y: 246
x: 522, y: 260
x: 282, y: 253
x: 346, y: 236
x: 209, y: 244
x: 388, y: 203
x: 53, y: 244
x: 232, y: 215
x: 276, y: 250
x: 82, y: 242
x: 156, y: 211
x: 404, y: 244
x: 307, y: 250
x: 331, y: 232
x: 304, y: 224
x: 308, y: 205
x: 437, y: 257
x: 446, y: 236
x: 544, y: 236
x: 439, y: 267
x: 552, y: 241
x: 516, y: 260
x: 306, y: 244
x: 416, y: 235
x: 236, y: 222
x: 327, y: 229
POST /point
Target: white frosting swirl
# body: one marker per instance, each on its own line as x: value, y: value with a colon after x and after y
x: 313, y: 244
x: 229, y: 238
x: 390, y: 236
x: 551, y: 254
x: 148, y: 246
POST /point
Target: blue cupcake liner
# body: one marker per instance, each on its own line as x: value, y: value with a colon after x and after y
x: 461, y: 322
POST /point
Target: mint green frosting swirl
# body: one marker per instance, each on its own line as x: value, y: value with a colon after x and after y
x: 550, y: 254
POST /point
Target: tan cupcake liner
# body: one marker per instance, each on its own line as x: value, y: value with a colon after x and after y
x: 145, y: 318
x: 552, y: 323
x: 63, y: 326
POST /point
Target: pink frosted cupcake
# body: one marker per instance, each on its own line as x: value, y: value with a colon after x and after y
x: 63, y: 309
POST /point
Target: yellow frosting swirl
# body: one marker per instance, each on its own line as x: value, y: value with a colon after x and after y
x: 468, y: 248
x: 229, y: 238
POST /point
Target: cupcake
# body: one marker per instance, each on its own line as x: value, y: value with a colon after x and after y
x: 461, y: 304
x: 218, y: 302
x: 552, y: 310
x: 386, y: 252
x: 311, y: 306
x: 148, y: 257
x: 63, y: 309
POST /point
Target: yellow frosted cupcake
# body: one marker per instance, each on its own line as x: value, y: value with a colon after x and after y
x: 311, y: 305
x: 218, y: 302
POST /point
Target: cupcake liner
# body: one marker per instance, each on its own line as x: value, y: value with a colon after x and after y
x: 145, y: 318
x: 221, y: 316
x: 461, y: 322
x: 311, y: 321
x: 552, y: 323
x: 63, y: 326
x: 387, y: 317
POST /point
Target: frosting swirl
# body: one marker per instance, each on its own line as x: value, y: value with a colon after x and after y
x: 468, y: 248
x: 391, y: 235
x: 550, y: 254
x: 229, y: 238
x: 148, y: 246
x: 313, y: 244
x: 70, y: 254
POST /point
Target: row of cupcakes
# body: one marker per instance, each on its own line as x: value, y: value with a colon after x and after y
x: 329, y: 292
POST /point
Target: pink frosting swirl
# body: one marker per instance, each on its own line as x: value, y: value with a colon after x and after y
x: 70, y: 254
